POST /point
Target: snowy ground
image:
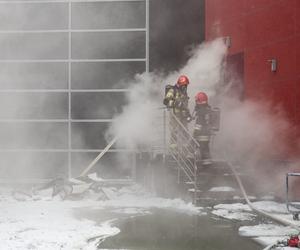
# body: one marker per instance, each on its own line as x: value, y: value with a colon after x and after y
x: 41, y: 222
x: 264, y: 233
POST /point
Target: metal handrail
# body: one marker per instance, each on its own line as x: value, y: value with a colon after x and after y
x: 189, y: 176
x: 292, y: 207
x: 186, y: 161
x: 185, y: 151
x: 184, y: 129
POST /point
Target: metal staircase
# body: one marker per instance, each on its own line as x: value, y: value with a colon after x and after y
x: 182, y: 156
x: 179, y: 149
x: 175, y: 166
x: 184, y: 149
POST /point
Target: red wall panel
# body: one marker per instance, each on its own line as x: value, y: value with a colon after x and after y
x: 283, y: 95
x: 270, y: 25
x: 258, y: 68
x: 263, y: 30
x: 297, y: 102
x: 236, y: 31
x: 256, y: 5
x: 297, y: 16
x: 297, y: 55
x: 219, y: 12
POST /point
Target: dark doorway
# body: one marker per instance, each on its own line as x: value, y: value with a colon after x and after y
x: 234, y: 76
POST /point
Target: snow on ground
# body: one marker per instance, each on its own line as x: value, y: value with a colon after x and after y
x: 236, y: 211
x: 267, y: 241
x: 40, y: 222
x: 268, y: 234
x: 233, y: 215
x: 47, y: 225
x: 221, y: 189
x: 266, y: 230
x: 239, y: 211
x: 233, y: 207
x: 131, y: 210
x: 264, y: 234
x: 270, y: 206
x: 135, y: 197
x: 236, y: 197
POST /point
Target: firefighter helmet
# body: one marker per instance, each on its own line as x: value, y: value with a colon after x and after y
x: 183, y: 80
x: 201, y: 98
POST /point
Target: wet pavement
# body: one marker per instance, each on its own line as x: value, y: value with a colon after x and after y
x: 169, y: 230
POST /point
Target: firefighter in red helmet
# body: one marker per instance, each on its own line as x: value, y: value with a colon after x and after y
x: 176, y: 98
x: 202, y: 128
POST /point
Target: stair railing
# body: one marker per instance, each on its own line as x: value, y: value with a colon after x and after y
x: 183, y: 148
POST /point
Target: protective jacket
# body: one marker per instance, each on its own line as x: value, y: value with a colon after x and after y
x: 202, y: 129
x: 177, y: 99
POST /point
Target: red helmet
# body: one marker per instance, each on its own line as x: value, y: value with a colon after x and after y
x: 201, y: 98
x: 183, y: 80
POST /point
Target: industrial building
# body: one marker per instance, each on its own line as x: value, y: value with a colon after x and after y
x: 263, y: 48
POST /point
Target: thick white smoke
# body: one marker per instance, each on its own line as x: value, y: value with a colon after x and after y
x: 251, y: 132
x: 137, y: 124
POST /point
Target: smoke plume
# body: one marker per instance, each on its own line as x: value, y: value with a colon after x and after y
x: 251, y: 132
x: 137, y: 124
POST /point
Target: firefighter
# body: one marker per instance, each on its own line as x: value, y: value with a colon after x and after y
x: 203, y: 126
x: 176, y: 98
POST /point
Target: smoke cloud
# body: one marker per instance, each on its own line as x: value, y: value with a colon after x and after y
x: 137, y: 124
x: 249, y: 133
x: 252, y: 133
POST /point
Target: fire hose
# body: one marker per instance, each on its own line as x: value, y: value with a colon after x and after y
x: 99, y: 156
x: 294, y: 241
x: 65, y: 188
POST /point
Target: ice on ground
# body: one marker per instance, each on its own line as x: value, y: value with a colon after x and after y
x: 239, y: 211
x: 131, y: 210
x: 270, y: 206
x: 267, y: 241
x: 221, y: 189
x: 287, y: 218
x: 233, y: 207
x: 266, y: 230
x: 236, y: 211
x: 134, y: 202
x: 47, y: 225
x: 265, y: 234
x: 233, y: 215
x: 236, y: 197
x: 135, y: 197
x: 50, y: 224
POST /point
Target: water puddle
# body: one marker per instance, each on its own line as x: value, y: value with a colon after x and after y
x: 169, y: 230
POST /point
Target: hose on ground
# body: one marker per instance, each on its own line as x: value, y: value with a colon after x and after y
x: 283, y: 222
x: 270, y: 246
